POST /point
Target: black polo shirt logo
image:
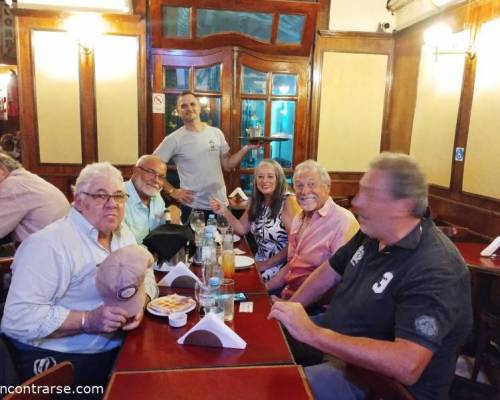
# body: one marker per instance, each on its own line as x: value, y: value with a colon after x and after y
x: 379, y: 287
x: 358, y: 256
x: 426, y: 325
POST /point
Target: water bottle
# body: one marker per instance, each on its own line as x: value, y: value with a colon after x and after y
x: 216, y: 308
x: 208, y: 295
x: 211, y: 225
x: 208, y: 251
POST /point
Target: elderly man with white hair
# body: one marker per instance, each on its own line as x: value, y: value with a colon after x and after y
x: 316, y: 233
x: 145, y: 208
x: 53, y: 310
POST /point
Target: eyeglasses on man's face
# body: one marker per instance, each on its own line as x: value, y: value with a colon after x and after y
x: 101, y: 199
x: 153, y: 174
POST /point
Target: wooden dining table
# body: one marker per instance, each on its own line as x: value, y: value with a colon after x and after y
x: 248, y: 383
x: 471, y: 253
x: 153, y: 345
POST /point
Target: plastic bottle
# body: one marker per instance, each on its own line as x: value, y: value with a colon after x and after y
x: 214, y: 292
x: 208, y: 295
x: 211, y: 225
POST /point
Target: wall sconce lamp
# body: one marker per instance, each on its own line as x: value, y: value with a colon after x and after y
x: 443, y: 41
x: 86, y: 28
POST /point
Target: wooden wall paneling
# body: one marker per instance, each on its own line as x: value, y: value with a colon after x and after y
x: 404, y: 93
x: 88, y: 108
x: 64, y: 174
x: 346, y: 184
x: 480, y: 214
x: 310, y: 10
x: 25, y: 23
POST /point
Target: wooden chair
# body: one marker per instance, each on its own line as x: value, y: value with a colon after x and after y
x: 60, y: 375
x: 5, y: 263
x: 489, y: 325
x: 379, y: 387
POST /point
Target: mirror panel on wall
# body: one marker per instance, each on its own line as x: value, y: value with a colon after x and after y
x: 482, y: 157
x: 439, y: 89
x: 351, y: 114
x: 116, y: 76
x: 57, y: 92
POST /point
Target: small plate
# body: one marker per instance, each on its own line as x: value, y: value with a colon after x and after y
x: 189, y: 307
x: 243, y: 262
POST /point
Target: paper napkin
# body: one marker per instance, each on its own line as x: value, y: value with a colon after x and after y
x: 181, y: 276
x: 239, y: 192
x: 213, y: 332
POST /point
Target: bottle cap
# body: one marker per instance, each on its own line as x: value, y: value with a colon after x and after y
x: 213, y: 281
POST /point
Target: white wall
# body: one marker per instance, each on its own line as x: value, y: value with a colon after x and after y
x: 358, y: 15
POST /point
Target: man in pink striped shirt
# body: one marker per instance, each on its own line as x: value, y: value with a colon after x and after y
x: 316, y: 233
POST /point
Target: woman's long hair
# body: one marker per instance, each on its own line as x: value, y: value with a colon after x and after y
x: 257, y: 199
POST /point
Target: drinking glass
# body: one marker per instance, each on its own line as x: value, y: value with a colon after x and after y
x: 227, y: 240
x: 228, y: 261
x: 222, y: 224
x: 197, y: 220
x: 226, y: 298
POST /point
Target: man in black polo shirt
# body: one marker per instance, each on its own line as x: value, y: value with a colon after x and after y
x: 402, y: 304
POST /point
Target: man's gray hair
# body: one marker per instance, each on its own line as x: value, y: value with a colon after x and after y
x: 315, y: 166
x: 8, y: 162
x: 407, y: 179
x: 96, y: 170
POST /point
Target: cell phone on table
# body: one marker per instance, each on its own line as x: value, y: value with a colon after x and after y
x: 240, y: 297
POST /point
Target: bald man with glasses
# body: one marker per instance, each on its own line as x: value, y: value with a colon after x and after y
x: 145, y: 208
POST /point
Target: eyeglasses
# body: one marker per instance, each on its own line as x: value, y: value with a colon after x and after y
x: 152, y: 173
x: 102, y: 198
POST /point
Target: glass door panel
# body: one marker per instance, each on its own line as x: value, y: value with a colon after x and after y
x: 284, y: 85
x: 208, y: 79
x: 253, y: 82
x: 283, y: 123
x: 253, y: 121
x: 176, y: 78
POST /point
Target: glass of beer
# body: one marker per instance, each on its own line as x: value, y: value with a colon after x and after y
x: 226, y: 298
x: 227, y: 261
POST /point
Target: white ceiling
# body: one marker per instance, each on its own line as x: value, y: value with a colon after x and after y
x: 107, y: 6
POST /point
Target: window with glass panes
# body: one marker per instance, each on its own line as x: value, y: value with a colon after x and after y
x: 273, y: 96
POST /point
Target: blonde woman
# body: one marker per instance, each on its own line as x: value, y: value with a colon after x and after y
x: 269, y: 217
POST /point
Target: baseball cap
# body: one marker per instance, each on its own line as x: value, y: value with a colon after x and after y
x: 120, y: 278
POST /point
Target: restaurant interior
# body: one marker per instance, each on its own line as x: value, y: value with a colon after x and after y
x: 343, y: 80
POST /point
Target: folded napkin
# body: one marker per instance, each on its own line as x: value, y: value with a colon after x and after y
x: 181, y: 276
x: 213, y: 332
x: 239, y: 192
x: 164, y: 267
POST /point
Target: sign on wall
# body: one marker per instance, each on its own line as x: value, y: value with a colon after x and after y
x: 7, y: 36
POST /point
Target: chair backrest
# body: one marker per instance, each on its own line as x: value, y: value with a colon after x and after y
x: 380, y: 387
x: 59, y: 375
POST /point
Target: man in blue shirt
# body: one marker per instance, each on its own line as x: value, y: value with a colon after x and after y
x: 145, y: 208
